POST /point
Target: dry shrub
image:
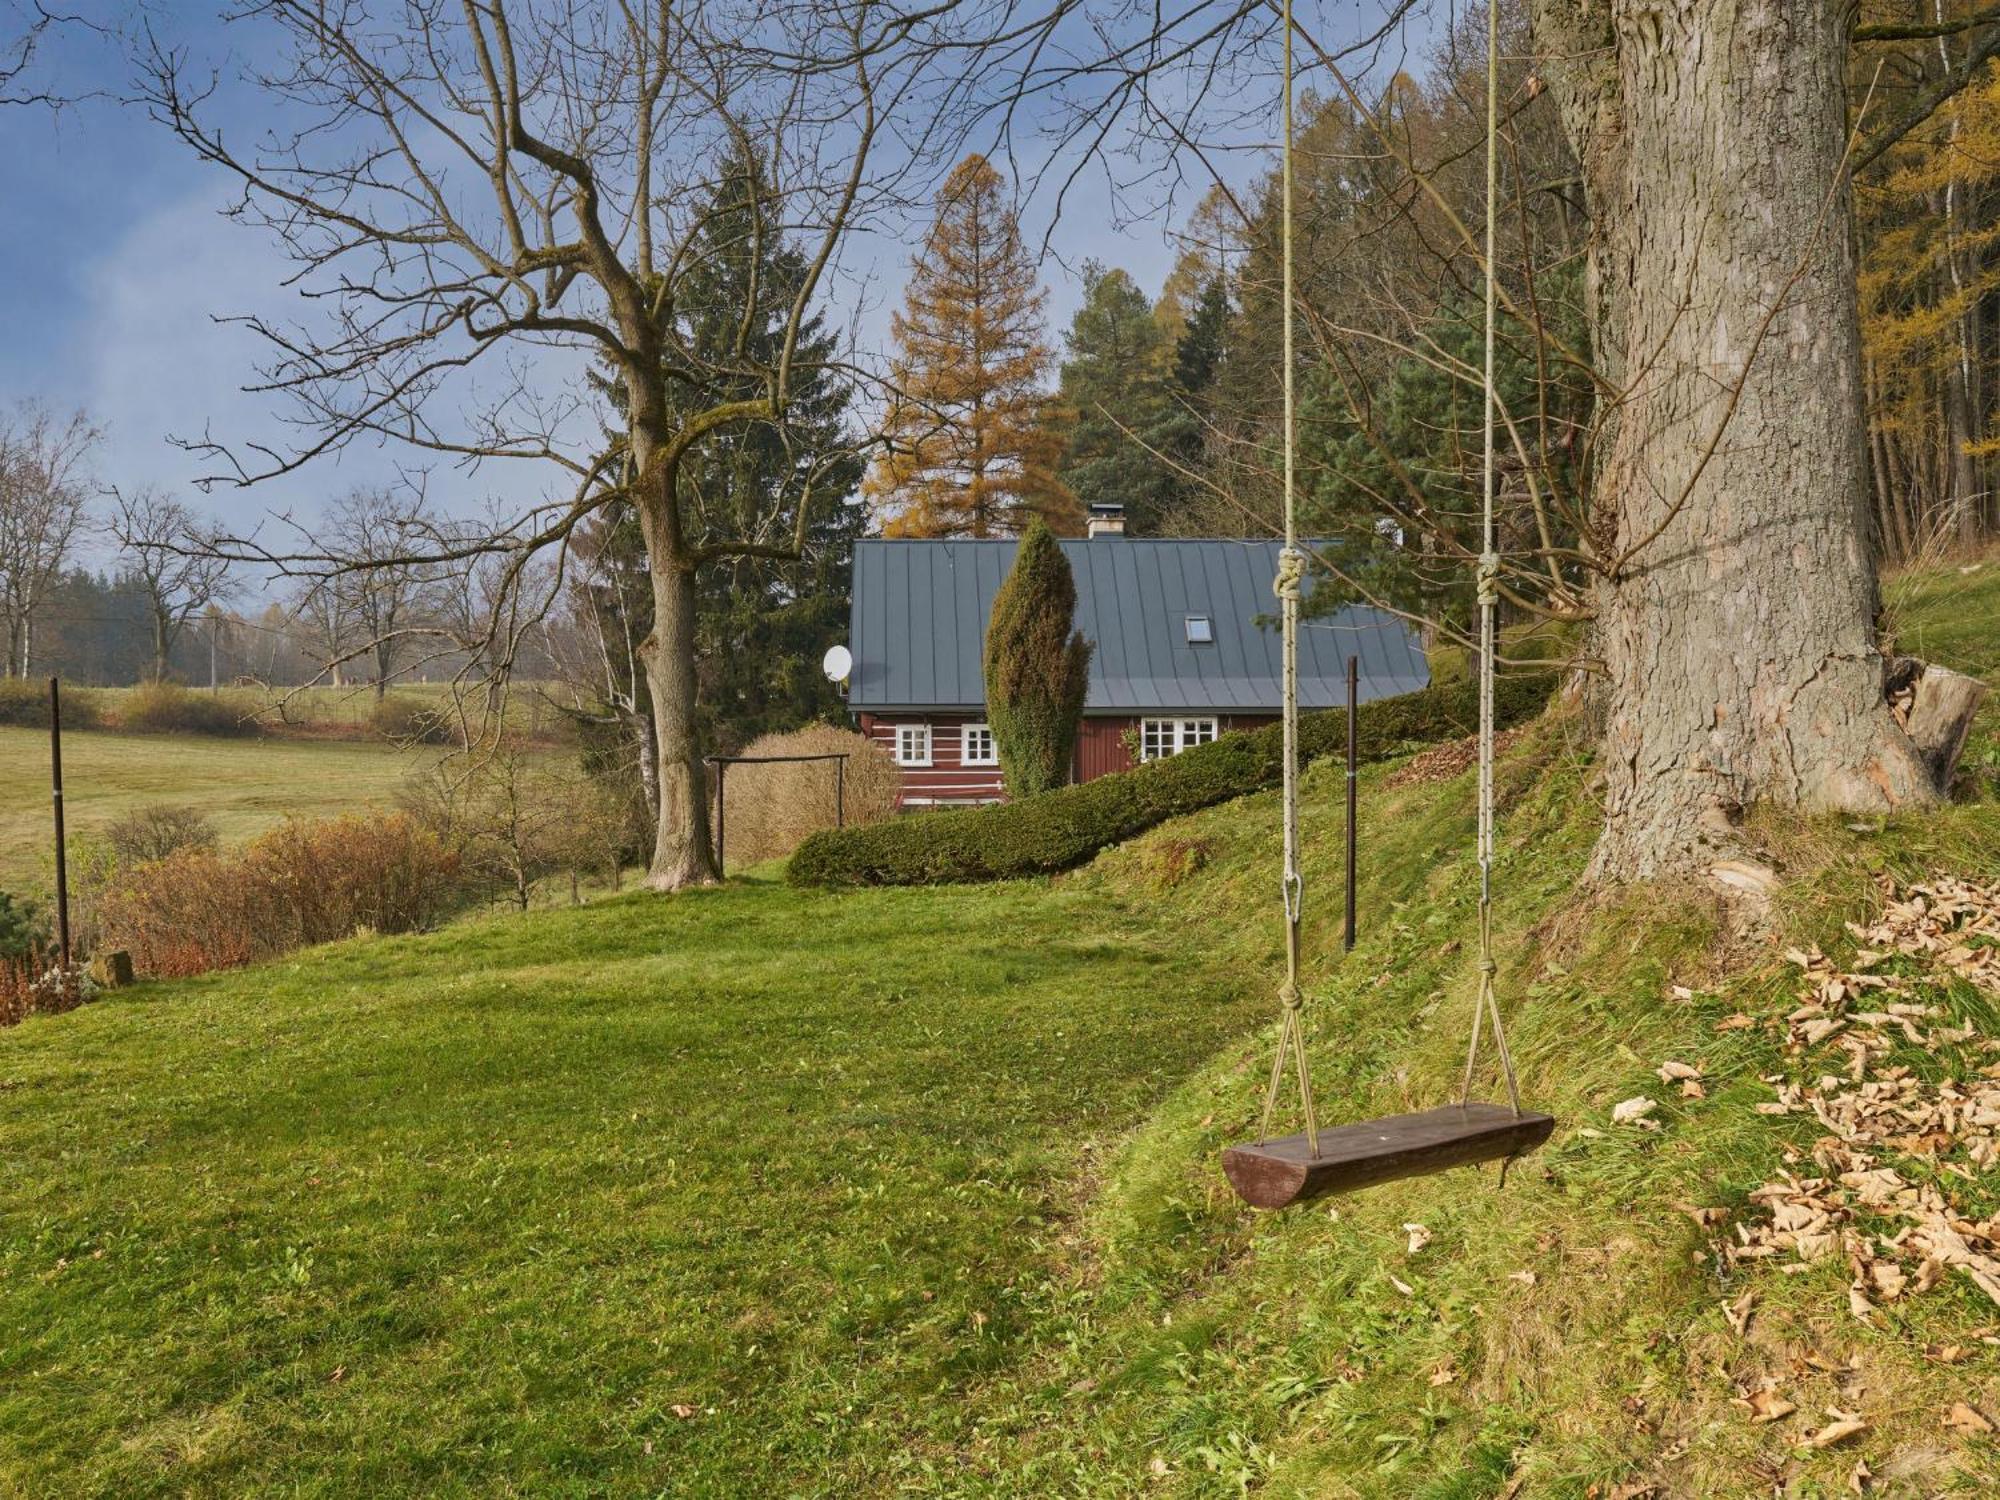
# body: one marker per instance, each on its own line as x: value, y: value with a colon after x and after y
x: 24, y: 703
x: 156, y: 831
x: 772, y: 808
x: 303, y: 882
x: 35, y: 984
x: 169, y: 708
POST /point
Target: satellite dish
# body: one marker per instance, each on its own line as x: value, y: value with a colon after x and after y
x: 837, y: 663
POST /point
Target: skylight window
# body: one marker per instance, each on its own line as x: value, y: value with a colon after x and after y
x: 1200, y: 630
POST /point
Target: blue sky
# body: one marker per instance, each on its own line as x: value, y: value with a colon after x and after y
x: 116, y: 261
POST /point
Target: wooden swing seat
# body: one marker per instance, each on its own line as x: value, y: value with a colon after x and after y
x: 1283, y: 1170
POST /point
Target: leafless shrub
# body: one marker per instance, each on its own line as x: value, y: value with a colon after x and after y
x: 771, y: 808
x: 149, y: 833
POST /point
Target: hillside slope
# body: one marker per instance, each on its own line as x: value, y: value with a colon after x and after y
x: 758, y: 1191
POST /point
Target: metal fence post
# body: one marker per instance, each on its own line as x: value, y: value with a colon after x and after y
x: 56, y: 796
x: 1353, y: 695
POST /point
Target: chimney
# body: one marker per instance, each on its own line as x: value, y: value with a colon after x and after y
x: 1107, y: 519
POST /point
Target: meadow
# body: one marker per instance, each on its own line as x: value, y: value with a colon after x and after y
x: 243, y: 785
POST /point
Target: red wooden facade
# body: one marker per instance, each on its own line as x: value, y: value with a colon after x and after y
x: 1104, y: 744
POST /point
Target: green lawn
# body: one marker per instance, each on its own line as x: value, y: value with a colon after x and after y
x: 245, y: 786
x: 477, y: 1213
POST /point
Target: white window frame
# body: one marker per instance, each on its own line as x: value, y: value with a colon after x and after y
x: 912, y: 742
x: 1162, y: 737
x: 965, y: 755
x: 1207, y: 624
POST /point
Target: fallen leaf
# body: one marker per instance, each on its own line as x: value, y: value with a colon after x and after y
x: 1767, y: 1406
x: 1837, y: 1432
x: 1704, y: 1218
x: 1419, y: 1237
x: 1633, y: 1111
x: 1444, y: 1374
x: 1859, y: 1480
x: 1963, y: 1418
x: 1674, y: 1072
x: 682, y: 1410
x: 1738, y: 1312
x: 1737, y: 1022
x: 1158, y: 1466
x: 1402, y: 1286
x: 1526, y: 1278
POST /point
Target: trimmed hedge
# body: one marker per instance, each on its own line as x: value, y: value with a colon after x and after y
x: 1061, y: 829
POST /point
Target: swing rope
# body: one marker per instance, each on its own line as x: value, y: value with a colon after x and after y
x: 1488, y: 1003
x: 1288, y: 586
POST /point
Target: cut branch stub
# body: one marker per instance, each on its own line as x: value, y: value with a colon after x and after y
x: 1936, y: 706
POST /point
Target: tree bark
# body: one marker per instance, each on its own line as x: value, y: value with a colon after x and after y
x: 683, y: 850
x: 1737, y: 627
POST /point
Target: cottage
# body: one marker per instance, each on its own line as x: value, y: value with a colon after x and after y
x: 1185, y: 638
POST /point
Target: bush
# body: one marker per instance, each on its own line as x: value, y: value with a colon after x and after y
x: 22, y: 930
x: 1062, y: 829
x: 169, y: 708
x: 24, y: 704
x: 409, y: 720
x: 303, y: 882
x: 771, y: 809
x: 150, y: 833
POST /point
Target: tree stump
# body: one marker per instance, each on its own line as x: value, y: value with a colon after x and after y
x: 112, y: 970
x: 1936, y: 707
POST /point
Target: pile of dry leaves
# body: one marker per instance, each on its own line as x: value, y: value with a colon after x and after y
x: 1877, y: 1114
x: 1442, y: 762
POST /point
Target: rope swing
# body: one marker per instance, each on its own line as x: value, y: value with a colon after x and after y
x: 1273, y: 1173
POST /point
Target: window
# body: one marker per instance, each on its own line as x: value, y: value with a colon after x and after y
x: 1200, y: 630
x: 977, y: 747
x: 1161, y: 737
x: 913, y: 744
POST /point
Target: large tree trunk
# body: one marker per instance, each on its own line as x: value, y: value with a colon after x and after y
x: 683, y: 852
x: 1738, y: 635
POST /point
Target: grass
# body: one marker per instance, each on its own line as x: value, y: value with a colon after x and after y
x: 245, y: 786
x: 915, y: 1191
x: 485, y: 1212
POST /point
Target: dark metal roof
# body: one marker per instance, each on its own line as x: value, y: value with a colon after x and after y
x: 920, y: 612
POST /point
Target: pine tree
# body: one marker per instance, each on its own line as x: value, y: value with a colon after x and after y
x: 1037, y: 667
x: 972, y: 447
x: 1117, y: 393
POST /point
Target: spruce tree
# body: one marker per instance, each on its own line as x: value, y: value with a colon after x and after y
x: 1037, y: 667
x: 971, y: 444
x: 1117, y: 394
x: 761, y: 623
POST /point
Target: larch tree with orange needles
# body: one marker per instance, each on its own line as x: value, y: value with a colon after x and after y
x: 971, y: 441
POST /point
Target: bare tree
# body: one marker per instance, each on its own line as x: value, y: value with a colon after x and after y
x: 323, y: 633
x: 168, y: 556
x: 594, y: 134
x: 44, y: 493
x: 379, y: 546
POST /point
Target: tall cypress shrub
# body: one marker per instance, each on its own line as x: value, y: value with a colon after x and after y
x: 1037, y: 667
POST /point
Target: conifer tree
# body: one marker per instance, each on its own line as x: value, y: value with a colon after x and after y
x: 1116, y: 395
x: 1037, y: 667
x: 971, y: 447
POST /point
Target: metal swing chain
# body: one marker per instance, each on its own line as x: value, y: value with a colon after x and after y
x: 1288, y: 586
x: 1488, y: 1003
